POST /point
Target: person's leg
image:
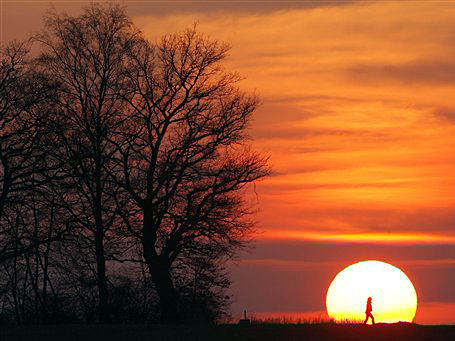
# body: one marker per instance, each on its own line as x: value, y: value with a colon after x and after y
x: 372, y: 317
x: 366, y: 319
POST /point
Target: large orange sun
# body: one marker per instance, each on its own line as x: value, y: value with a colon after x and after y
x: 393, y: 296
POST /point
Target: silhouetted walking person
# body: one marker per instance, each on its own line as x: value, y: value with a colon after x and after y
x: 368, y: 311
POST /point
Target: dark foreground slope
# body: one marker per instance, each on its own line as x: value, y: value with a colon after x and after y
x: 227, y: 332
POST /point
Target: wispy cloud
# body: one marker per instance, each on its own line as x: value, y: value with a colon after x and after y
x: 369, y: 238
x: 416, y: 72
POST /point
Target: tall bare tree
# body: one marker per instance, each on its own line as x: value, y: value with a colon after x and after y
x: 181, y: 157
x: 24, y: 144
x: 27, y: 218
x: 86, y: 55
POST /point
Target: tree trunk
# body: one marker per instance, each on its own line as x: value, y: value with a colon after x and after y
x: 101, y: 279
x: 103, y: 309
x: 170, y: 302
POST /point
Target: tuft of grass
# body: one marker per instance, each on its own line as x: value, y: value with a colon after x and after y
x: 291, y: 320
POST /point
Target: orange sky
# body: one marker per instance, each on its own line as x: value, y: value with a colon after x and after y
x: 358, y: 118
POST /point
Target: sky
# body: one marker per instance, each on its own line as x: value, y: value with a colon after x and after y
x: 357, y: 117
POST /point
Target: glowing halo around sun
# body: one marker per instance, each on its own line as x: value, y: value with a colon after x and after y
x: 393, y: 296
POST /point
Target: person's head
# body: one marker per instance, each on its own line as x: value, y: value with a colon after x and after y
x: 369, y: 299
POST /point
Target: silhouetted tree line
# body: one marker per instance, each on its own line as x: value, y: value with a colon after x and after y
x: 123, y: 164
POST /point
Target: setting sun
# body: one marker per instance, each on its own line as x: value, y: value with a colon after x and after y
x: 393, y: 295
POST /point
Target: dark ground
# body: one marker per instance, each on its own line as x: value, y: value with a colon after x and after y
x: 227, y: 332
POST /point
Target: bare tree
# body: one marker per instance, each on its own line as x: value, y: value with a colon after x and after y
x: 180, y: 157
x: 27, y: 224
x: 86, y: 55
x: 24, y: 145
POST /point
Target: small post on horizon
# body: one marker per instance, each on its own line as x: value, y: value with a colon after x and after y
x: 244, y: 320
